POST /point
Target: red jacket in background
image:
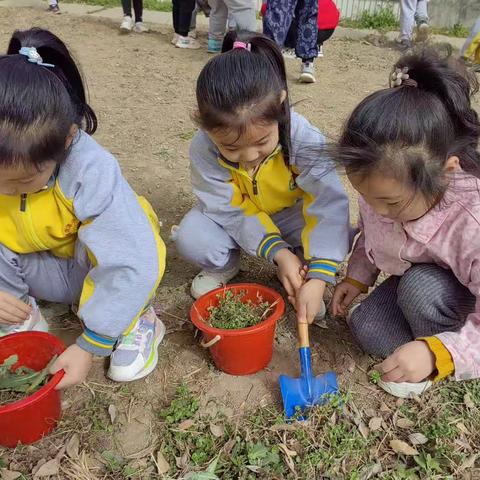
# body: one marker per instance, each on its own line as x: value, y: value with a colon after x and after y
x: 328, y: 14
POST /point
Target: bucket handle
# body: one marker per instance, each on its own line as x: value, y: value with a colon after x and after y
x: 212, y: 342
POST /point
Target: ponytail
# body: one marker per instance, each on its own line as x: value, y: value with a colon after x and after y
x: 244, y: 85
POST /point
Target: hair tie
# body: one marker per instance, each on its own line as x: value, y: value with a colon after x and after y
x: 400, y: 77
x: 242, y: 46
x: 33, y: 56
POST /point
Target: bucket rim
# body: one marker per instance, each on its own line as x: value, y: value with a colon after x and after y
x: 275, y: 315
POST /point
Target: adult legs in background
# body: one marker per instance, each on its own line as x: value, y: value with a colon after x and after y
x: 182, y: 17
x: 411, y: 12
x: 277, y: 20
x: 243, y: 14
x: 217, y: 23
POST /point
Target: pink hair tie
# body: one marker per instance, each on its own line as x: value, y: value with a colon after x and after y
x: 242, y: 45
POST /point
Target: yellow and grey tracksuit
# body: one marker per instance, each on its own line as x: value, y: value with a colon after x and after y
x: 87, y: 238
x: 302, y: 204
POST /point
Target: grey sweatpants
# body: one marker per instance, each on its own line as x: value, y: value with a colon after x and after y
x: 411, y: 11
x: 43, y: 276
x: 206, y: 244
x: 241, y: 12
x: 425, y: 301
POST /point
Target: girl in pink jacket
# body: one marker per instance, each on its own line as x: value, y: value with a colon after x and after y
x: 411, y: 153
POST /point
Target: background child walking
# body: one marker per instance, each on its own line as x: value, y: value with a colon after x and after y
x: 258, y: 189
x: 73, y: 231
x: 411, y: 153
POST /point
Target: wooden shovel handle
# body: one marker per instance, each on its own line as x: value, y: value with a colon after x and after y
x: 303, y: 335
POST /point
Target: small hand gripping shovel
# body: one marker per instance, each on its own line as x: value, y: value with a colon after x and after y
x: 307, y: 390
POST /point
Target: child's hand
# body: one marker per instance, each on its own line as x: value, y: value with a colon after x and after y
x: 344, y: 295
x: 290, y: 271
x: 13, y: 310
x: 309, y: 300
x: 412, y: 362
x: 76, y: 362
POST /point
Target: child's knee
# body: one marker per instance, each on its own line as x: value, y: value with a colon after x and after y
x: 362, y: 330
x: 422, y: 288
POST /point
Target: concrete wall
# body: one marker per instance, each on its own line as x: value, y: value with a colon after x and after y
x: 446, y: 13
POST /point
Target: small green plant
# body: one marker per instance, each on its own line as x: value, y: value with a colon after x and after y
x: 458, y: 30
x: 234, y: 312
x: 113, y: 461
x: 375, y: 376
x: 183, y: 406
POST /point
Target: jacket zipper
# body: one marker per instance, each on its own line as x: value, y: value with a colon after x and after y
x: 255, y: 188
x: 27, y: 225
x: 23, y: 202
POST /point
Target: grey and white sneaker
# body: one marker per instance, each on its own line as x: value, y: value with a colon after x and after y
x: 136, y: 355
x: 205, y: 281
x: 34, y: 323
x: 187, y: 43
x: 127, y: 24
x: 307, y: 74
x: 423, y: 30
x: 403, y: 43
x: 140, y: 27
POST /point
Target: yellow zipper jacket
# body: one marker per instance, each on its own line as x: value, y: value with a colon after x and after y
x: 89, y: 201
x: 244, y: 206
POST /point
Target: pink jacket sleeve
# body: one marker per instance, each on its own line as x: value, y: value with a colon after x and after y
x: 360, y: 267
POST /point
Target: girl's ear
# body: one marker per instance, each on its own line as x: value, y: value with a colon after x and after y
x: 283, y: 96
x: 71, y: 136
x: 452, y: 164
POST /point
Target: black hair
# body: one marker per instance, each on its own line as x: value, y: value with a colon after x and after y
x: 39, y: 104
x: 240, y: 86
x: 409, y: 132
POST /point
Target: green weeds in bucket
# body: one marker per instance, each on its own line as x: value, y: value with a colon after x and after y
x: 234, y: 312
x: 15, y: 385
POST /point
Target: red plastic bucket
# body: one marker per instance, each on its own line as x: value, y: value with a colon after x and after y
x: 245, y: 350
x: 29, y: 419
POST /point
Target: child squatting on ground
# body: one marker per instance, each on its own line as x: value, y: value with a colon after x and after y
x: 258, y: 188
x: 73, y: 231
x: 411, y: 153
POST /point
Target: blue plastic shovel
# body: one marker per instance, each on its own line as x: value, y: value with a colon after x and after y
x: 306, y: 391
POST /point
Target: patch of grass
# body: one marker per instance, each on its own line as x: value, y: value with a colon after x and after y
x: 233, y: 311
x: 157, y: 5
x: 187, y: 135
x: 458, y: 30
x: 183, y: 406
x: 330, y: 444
x: 383, y: 20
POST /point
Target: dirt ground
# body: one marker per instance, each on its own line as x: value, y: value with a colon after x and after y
x: 143, y: 92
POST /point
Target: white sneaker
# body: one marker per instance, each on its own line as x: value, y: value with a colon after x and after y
x: 405, y: 389
x: 34, y: 323
x: 320, y: 51
x: 140, y: 27
x: 205, y: 281
x: 174, y: 39
x: 193, y: 34
x: 127, y: 24
x: 308, y: 73
x: 423, y: 31
x: 136, y: 355
x: 187, y: 42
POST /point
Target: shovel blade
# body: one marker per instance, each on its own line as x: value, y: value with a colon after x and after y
x: 295, y: 395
